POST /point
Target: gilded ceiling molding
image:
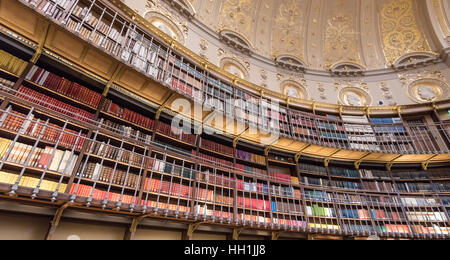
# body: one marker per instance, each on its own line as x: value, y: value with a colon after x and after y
x: 443, y: 20
x: 400, y: 31
x: 236, y: 16
x: 342, y: 41
x: 184, y: 7
x: 287, y: 36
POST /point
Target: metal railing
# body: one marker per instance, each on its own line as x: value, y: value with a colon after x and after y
x: 129, y: 43
x: 112, y: 174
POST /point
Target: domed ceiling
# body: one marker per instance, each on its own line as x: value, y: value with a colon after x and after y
x: 321, y: 33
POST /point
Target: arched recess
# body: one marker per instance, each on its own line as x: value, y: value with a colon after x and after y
x: 416, y: 59
x: 236, y: 41
x: 165, y: 24
x: 293, y: 89
x: 347, y: 69
x: 290, y: 62
x: 234, y: 67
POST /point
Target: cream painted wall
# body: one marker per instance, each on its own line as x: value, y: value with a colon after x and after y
x: 88, y: 231
x: 150, y: 234
x: 22, y: 227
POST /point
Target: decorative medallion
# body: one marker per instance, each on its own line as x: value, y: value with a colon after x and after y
x: 355, y: 97
x: 428, y: 90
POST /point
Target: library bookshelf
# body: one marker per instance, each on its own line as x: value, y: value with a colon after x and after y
x: 85, y: 121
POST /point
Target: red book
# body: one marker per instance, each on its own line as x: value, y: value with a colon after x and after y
x: 44, y: 160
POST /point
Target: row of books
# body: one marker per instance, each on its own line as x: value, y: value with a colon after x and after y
x: 287, y: 207
x: 63, y: 86
x: 62, y: 161
x: 317, y: 169
x: 169, y: 168
x: 378, y: 186
x: 286, y: 191
x: 11, y: 63
x: 102, y: 149
x: 324, y: 226
x: 6, y: 84
x: 302, y: 120
x: 282, y: 177
x: 354, y: 213
x: 186, y: 89
x: 52, y: 9
x: 373, y: 174
x: 315, y: 181
x: 259, y: 218
x: 432, y: 229
x: 414, y: 187
x: 347, y: 185
x: 165, y: 206
x: 246, y: 156
x: 126, y: 131
x: 250, y: 170
x: 205, y: 211
x: 187, y: 77
x: 379, y: 214
x: 204, y: 195
x: 426, y: 216
x: 391, y: 228
x: 317, y: 211
x: 360, y: 228
x: 252, y: 203
x: 127, y: 114
x: 414, y: 175
x: 36, y: 128
x: 393, y: 125
x: 216, y: 147
x: 35, y: 97
x: 334, y: 136
x: 263, y: 188
x: 330, y: 126
x: 175, y: 132
x: 441, y: 186
x: 341, y: 172
x: 348, y: 198
x: 316, y: 195
x: 216, y: 179
x: 98, y: 172
x: 212, y: 160
x: 31, y: 182
x: 418, y: 202
x: 86, y: 191
x: 165, y: 187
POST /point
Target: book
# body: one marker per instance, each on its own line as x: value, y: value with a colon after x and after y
x: 11, y: 63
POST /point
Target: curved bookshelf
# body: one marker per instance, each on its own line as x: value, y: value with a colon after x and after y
x: 130, y: 160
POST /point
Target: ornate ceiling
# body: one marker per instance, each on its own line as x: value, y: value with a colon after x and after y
x: 371, y: 33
